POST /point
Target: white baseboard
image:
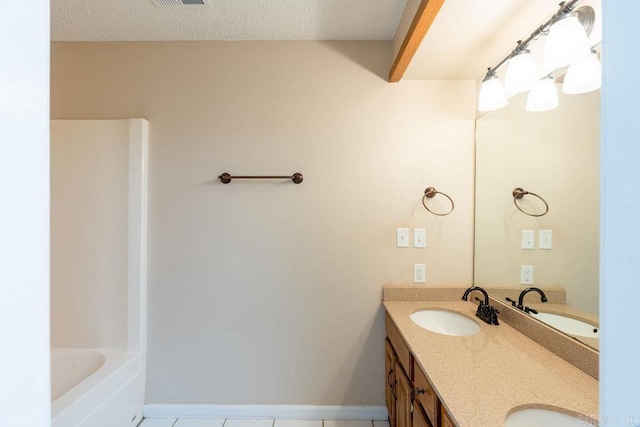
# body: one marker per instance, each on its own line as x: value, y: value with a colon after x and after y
x: 301, y: 412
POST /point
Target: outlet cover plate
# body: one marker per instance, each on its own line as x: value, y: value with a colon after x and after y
x: 419, y: 275
x: 526, y: 275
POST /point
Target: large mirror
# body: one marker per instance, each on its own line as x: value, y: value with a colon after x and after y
x: 554, y: 154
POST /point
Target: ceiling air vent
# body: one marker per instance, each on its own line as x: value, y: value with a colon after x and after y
x: 181, y: 3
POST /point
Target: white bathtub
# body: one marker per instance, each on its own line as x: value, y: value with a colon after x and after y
x: 96, y: 388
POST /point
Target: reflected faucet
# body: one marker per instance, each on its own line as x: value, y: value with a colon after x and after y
x: 543, y: 297
x: 485, y: 312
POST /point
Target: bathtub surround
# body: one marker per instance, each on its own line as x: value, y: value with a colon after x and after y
x: 98, y: 284
x: 24, y: 214
x: 268, y: 293
x: 89, y: 213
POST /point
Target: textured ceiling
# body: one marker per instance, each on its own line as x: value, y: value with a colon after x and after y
x: 140, y: 20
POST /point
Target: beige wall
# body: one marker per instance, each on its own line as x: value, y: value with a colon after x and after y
x: 269, y: 292
x: 555, y: 154
x: 89, y: 214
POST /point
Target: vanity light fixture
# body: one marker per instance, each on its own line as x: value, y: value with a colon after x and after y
x: 522, y: 73
x: 492, y: 93
x: 583, y: 76
x: 544, y: 96
x: 566, y: 44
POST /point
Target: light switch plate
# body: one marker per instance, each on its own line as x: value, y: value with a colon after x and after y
x: 545, y: 239
x: 528, y: 239
x: 419, y: 238
x: 402, y: 238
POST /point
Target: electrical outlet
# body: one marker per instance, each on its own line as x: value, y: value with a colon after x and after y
x: 402, y: 238
x: 526, y: 275
x: 419, y: 238
x: 419, y: 275
x: 545, y: 239
x: 528, y: 239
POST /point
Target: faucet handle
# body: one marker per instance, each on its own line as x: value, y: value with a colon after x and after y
x: 494, y: 316
x: 513, y: 303
x: 530, y: 310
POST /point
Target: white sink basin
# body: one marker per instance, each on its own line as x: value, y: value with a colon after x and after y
x: 445, y: 322
x: 568, y: 325
x: 543, y: 417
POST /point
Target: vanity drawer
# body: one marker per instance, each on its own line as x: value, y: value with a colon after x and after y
x: 425, y: 394
x: 404, y: 355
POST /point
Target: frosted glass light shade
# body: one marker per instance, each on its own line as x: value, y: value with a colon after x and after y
x: 492, y: 94
x: 567, y: 43
x: 544, y: 96
x: 583, y: 76
x: 522, y: 73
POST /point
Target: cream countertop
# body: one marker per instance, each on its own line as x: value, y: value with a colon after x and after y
x: 482, y: 377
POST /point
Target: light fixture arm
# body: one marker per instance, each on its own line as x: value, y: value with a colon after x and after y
x: 565, y: 8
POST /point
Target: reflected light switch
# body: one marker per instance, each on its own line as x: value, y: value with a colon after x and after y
x: 419, y: 238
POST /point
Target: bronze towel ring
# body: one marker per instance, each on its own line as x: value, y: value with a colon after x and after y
x: 519, y: 193
x: 430, y: 193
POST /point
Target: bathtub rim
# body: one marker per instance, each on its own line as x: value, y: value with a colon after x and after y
x: 88, y: 395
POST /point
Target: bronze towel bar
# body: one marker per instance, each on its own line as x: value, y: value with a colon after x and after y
x: 226, y: 178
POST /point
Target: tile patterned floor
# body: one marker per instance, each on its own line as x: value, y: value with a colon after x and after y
x: 199, y: 423
x: 184, y: 422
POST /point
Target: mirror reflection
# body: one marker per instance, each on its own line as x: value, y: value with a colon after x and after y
x: 554, y: 154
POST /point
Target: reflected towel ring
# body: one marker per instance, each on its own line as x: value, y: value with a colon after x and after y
x: 519, y: 193
x: 430, y: 193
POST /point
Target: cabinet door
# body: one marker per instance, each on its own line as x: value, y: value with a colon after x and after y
x: 445, y: 419
x: 404, y: 402
x: 390, y: 381
x: 419, y: 417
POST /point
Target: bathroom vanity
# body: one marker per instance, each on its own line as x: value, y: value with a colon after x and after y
x: 480, y: 379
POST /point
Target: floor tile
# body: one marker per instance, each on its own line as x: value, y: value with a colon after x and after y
x: 381, y: 423
x: 158, y: 422
x: 248, y: 423
x: 298, y: 423
x: 347, y: 423
x: 197, y: 422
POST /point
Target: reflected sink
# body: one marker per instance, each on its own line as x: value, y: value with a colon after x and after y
x: 445, y: 322
x: 568, y: 325
x: 544, y: 417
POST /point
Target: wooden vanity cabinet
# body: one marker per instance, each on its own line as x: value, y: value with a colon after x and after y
x: 445, y: 418
x: 425, y: 395
x: 404, y: 404
x: 399, y: 387
x: 420, y: 418
x: 410, y: 398
x: 390, y: 387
